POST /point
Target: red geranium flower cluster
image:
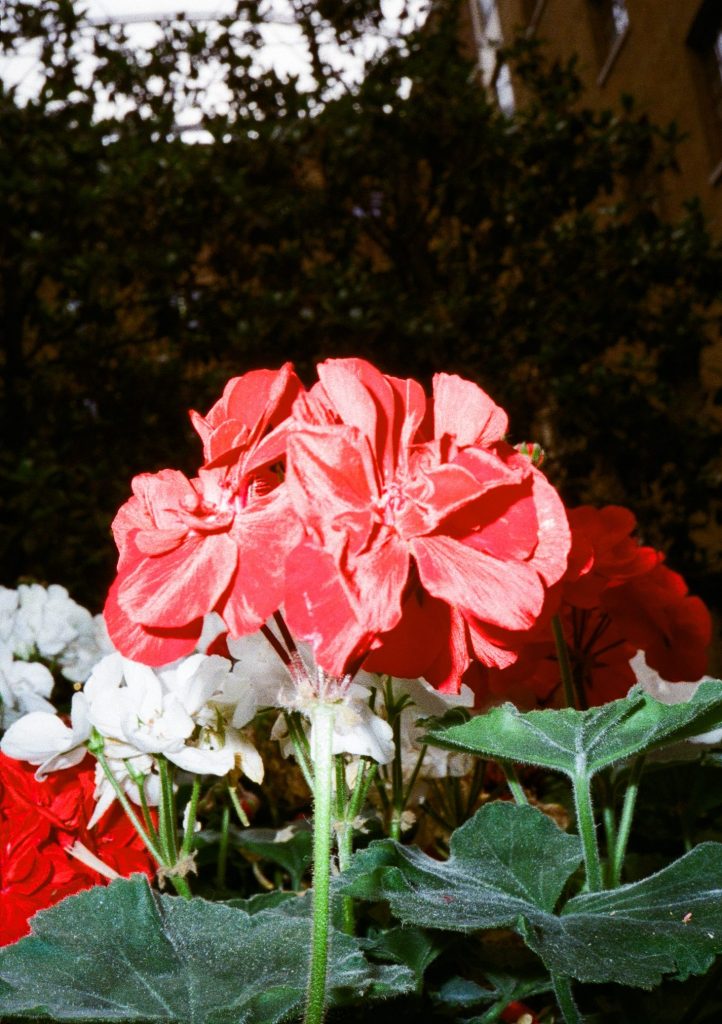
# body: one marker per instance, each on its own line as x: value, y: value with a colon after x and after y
x: 393, y: 528
x: 40, y: 823
x: 617, y: 597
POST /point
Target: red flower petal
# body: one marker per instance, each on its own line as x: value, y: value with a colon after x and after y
x: 150, y: 646
x: 465, y: 412
x: 180, y: 586
x: 314, y: 595
x: 506, y: 594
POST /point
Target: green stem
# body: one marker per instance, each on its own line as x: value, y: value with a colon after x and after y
x: 300, y: 746
x: 625, y: 823
x: 181, y: 886
x: 341, y: 788
x: 191, y: 817
x: 238, y: 806
x: 139, y: 781
x: 397, y: 782
x: 512, y: 781
x: 415, y: 773
x: 565, y: 667
x: 587, y: 832
x: 605, y: 792
x: 223, y: 848
x: 565, y: 999
x: 369, y: 778
x: 126, y: 805
x: 322, y: 717
x: 345, y: 836
x: 167, y: 821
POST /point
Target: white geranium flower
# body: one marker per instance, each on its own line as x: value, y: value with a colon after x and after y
x: 427, y: 702
x: 24, y: 686
x: 120, y: 759
x: 259, y: 665
x: 190, y: 712
x: 357, y: 730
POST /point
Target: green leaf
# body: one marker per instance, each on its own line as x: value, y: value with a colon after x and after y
x: 463, y: 994
x: 261, y: 901
x: 504, y: 861
x: 125, y: 953
x: 507, y: 868
x: 581, y: 743
x: 289, y: 847
x: 412, y: 947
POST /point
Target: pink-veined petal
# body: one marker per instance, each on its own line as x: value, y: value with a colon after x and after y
x: 317, y: 610
x: 182, y: 585
x: 506, y: 594
x: 360, y: 396
x: 436, y: 495
x: 488, y: 644
x: 264, y: 534
x: 374, y: 581
x: 465, y: 412
x: 159, y: 542
x: 151, y: 647
x: 448, y: 668
x: 552, y: 550
x: 330, y: 479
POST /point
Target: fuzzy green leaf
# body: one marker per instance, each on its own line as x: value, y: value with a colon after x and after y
x: 507, y: 868
x: 289, y: 847
x: 581, y: 743
x: 125, y: 953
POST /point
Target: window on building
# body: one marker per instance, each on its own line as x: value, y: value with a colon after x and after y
x: 705, y: 39
x: 494, y: 72
x: 610, y: 23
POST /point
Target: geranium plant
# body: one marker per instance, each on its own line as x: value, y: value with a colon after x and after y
x: 362, y: 574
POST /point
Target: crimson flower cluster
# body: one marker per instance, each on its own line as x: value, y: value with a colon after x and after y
x: 40, y: 822
x: 616, y: 597
x: 394, y: 530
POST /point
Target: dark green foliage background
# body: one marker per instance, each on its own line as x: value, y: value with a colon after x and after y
x: 138, y: 272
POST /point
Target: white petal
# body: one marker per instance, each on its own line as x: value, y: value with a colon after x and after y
x: 204, y: 762
x: 36, y: 737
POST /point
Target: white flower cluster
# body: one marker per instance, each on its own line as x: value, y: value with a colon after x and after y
x: 191, y: 712
x: 43, y: 624
x: 360, y: 729
x: 357, y: 730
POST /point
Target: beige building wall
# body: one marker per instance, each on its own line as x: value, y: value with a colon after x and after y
x: 664, y: 58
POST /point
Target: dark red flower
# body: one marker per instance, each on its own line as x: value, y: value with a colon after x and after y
x: 660, y: 617
x: 617, y: 597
